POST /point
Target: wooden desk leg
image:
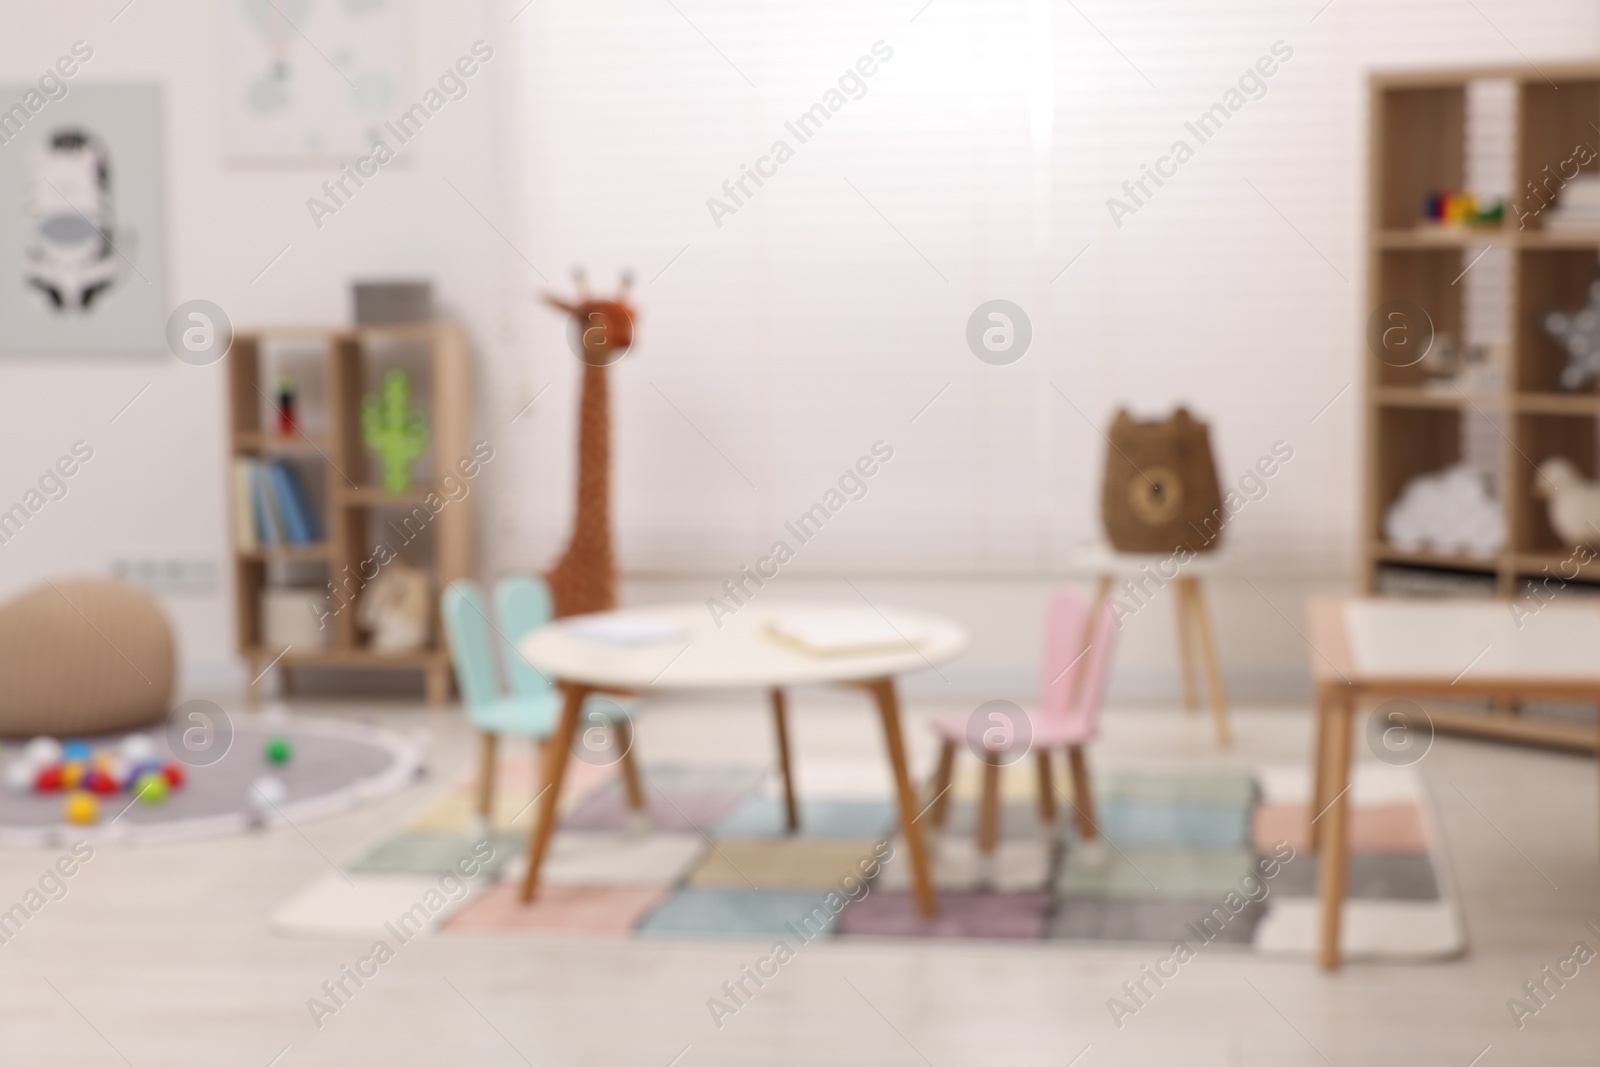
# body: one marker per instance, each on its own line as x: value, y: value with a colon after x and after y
x: 780, y: 724
x: 486, y: 775
x: 889, y: 708
x: 1319, y: 769
x: 1208, y: 656
x: 557, y: 753
x: 1335, y: 836
x: 1186, y: 628
x: 632, y: 783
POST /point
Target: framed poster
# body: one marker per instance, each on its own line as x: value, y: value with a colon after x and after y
x: 309, y: 80
x: 82, y: 221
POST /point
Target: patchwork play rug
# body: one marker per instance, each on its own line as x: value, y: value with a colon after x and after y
x: 333, y: 766
x: 1217, y: 857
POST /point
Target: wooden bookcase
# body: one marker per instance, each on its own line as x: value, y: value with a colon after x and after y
x: 1418, y: 128
x: 354, y: 511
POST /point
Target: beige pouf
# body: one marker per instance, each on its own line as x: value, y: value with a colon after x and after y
x: 83, y: 656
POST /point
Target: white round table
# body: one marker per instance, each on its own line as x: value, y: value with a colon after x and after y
x: 680, y: 646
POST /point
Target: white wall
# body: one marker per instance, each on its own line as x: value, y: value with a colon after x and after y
x: 1208, y: 294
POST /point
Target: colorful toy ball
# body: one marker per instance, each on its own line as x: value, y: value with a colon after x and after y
x: 137, y: 748
x: 173, y: 774
x: 42, y: 750
x: 71, y: 775
x: 20, y: 775
x: 100, y: 782
x: 151, y: 787
x: 48, y: 780
x: 267, y: 792
x: 76, y: 749
x: 81, y: 808
x: 278, y: 750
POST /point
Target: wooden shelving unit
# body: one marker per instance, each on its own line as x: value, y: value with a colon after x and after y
x: 1419, y: 144
x: 351, y: 508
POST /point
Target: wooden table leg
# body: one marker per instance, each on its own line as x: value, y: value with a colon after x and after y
x: 1319, y: 769
x: 557, y: 753
x: 1335, y: 836
x: 889, y: 707
x: 1186, y: 637
x: 632, y: 784
x: 1208, y: 655
x: 1082, y: 793
x: 780, y: 723
x: 989, y: 806
x: 486, y: 775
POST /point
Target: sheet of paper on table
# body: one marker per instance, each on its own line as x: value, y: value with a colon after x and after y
x: 624, y: 630
x: 842, y: 631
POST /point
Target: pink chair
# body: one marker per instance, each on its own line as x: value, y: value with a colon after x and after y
x: 1071, y: 687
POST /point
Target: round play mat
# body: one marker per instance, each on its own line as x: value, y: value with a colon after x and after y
x: 277, y: 771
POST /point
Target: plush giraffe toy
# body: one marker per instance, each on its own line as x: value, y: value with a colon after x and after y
x: 584, y: 579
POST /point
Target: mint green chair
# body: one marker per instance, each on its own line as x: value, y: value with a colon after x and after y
x: 533, y: 707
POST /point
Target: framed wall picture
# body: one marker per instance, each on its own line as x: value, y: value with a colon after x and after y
x: 82, y: 220
x: 309, y: 81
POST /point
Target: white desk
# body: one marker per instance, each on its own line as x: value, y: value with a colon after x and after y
x: 1367, y: 648
x: 738, y: 653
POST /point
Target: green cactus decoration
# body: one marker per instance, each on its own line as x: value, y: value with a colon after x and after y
x: 393, y: 429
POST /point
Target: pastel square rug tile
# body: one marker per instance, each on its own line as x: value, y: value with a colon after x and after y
x: 734, y: 778
x: 1165, y: 822
x: 413, y: 853
x: 1019, y: 781
x: 1218, y: 787
x: 795, y: 863
x: 1195, y: 922
x: 1016, y: 820
x: 393, y: 906
x: 1099, y: 870
x: 1410, y: 930
x: 893, y: 913
x: 760, y: 815
x: 1390, y: 828
x: 670, y: 810
x: 457, y: 812
x: 519, y: 775
x: 825, y: 779
x: 615, y: 859
x: 1373, y: 784
x: 560, y: 909
x: 1371, y: 876
x: 741, y: 913
x: 1016, y: 866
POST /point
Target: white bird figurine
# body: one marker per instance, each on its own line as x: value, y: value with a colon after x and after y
x: 1574, y: 501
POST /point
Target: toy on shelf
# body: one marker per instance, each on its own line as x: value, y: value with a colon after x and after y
x: 1448, y: 511
x: 393, y: 429
x: 584, y: 579
x: 1574, y: 501
x: 151, y: 787
x: 278, y: 750
x: 285, y: 406
x: 397, y: 608
x: 1578, y: 332
x: 1452, y: 207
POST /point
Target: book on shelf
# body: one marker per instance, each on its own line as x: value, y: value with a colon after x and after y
x: 271, y: 506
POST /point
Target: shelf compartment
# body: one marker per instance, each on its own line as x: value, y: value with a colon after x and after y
x: 1421, y: 140
x: 1424, y: 276
x: 1555, y: 279
x: 1537, y: 438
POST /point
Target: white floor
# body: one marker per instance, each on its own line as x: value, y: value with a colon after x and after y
x: 160, y: 957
